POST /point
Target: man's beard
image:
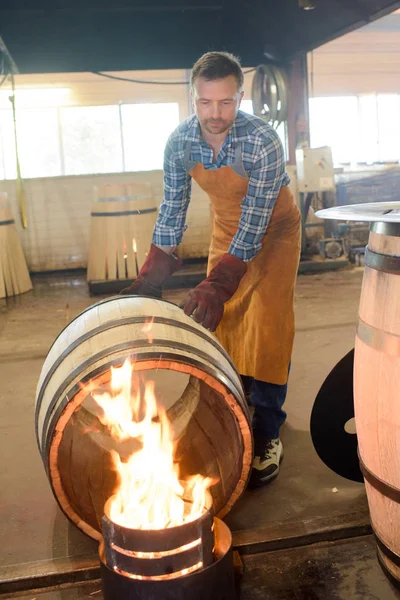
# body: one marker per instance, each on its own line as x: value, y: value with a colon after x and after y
x: 216, y: 126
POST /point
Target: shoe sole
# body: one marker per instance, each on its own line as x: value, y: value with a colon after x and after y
x: 268, y: 478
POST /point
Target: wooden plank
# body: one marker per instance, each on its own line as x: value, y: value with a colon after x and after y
x: 278, y: 536
x: 3, y: 292
x: 120, y: 242
x: 111, y: 233
x: 6, y: 269
x: 23, y: 281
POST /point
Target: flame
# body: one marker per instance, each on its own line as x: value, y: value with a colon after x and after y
x: 150, y: 494
x: 147, y: 328
x: 134, y: 245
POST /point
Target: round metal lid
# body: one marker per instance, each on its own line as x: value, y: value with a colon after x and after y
x: 333, y: 409
x: 384, y: 212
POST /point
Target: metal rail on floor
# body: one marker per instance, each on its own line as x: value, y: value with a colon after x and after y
x: 280, y: 536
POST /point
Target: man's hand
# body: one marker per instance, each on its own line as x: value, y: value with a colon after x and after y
x: 158, y: 267
x: 206, y: 302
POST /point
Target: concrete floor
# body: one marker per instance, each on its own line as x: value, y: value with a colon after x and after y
x: 347, y: 570
x: 36, y: 537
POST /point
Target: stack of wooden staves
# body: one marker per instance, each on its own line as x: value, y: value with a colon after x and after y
x: 14, y: 274
x: 122, y: 222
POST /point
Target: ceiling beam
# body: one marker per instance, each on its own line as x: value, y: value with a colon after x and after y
x: 392, y: 6
x: 127, y: 9
x: 357, y: 7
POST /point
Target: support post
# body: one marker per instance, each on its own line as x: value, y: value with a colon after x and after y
x: 298, y: 113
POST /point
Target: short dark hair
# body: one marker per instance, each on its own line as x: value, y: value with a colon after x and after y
x: 217, y: 65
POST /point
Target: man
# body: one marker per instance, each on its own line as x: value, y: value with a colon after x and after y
x: 247, y: 298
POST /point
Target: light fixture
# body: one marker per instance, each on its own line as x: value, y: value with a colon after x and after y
x: 34, y: 97
x: 307, y: 4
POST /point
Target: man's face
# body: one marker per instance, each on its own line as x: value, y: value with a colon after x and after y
x: 216, y: 103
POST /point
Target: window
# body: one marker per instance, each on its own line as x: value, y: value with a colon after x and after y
x: 367, y: 147
x: 86, y: 139
x: 91, y: 139
x: 388, y: 139
x: 334, y: 123
x: 359, y: 129
x: 38, y: 142
x: 247, y: 106
x: 7, y: 144
x: 146, y: 128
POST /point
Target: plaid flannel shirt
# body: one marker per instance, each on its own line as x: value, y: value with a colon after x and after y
x: 263, y: 160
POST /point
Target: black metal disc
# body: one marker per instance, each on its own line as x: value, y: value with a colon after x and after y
x: 333, y: 408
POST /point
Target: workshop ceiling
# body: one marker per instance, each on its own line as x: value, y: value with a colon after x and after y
x: 102, y: 35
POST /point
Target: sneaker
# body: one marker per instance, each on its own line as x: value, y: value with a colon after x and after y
x: 268, y: 457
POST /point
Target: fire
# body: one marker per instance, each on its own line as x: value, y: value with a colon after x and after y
x: 150, y: 494
x: 147, y: 329
x: 134, y: 245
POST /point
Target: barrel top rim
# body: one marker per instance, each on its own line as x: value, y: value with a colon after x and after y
x: 113, y: 299
x: 384, y: 212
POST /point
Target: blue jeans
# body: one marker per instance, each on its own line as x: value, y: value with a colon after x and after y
x: 268, y: 400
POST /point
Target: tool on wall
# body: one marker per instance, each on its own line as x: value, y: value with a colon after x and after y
x: 269, y: 94
x: 20, y: 184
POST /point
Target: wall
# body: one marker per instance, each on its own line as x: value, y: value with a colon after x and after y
x: 365, y: 61
x: 59, y: 218
x: 89, y: 89
x: 59, y: 207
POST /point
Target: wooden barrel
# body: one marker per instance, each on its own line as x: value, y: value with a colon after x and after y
x: 197, y: 381
x: 377, y: 389
x: 14, y: 274
x: 122, y: 222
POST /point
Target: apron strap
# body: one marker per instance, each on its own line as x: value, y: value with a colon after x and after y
x: 238, y: 154
x: 236, y: 166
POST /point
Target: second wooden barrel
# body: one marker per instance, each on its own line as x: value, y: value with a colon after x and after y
x: 122, y: 222
x: 377, y: 389
x: 200, y: 389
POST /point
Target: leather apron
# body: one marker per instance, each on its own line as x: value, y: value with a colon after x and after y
x: 257, y: 328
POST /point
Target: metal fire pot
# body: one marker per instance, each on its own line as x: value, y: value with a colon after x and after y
x: 192, y: 561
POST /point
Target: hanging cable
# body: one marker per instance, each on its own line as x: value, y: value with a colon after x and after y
x: 138, y: 80
x: 20, y: 184
x: 118, y: 78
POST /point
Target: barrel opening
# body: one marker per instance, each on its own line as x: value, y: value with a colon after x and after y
x: 206, y: 421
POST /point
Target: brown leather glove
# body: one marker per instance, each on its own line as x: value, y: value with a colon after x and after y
x: 206, y: 302
x: 158, y: 267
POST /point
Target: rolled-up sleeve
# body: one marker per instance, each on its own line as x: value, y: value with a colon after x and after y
x: 265, y: 181
x: 171, y: 221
